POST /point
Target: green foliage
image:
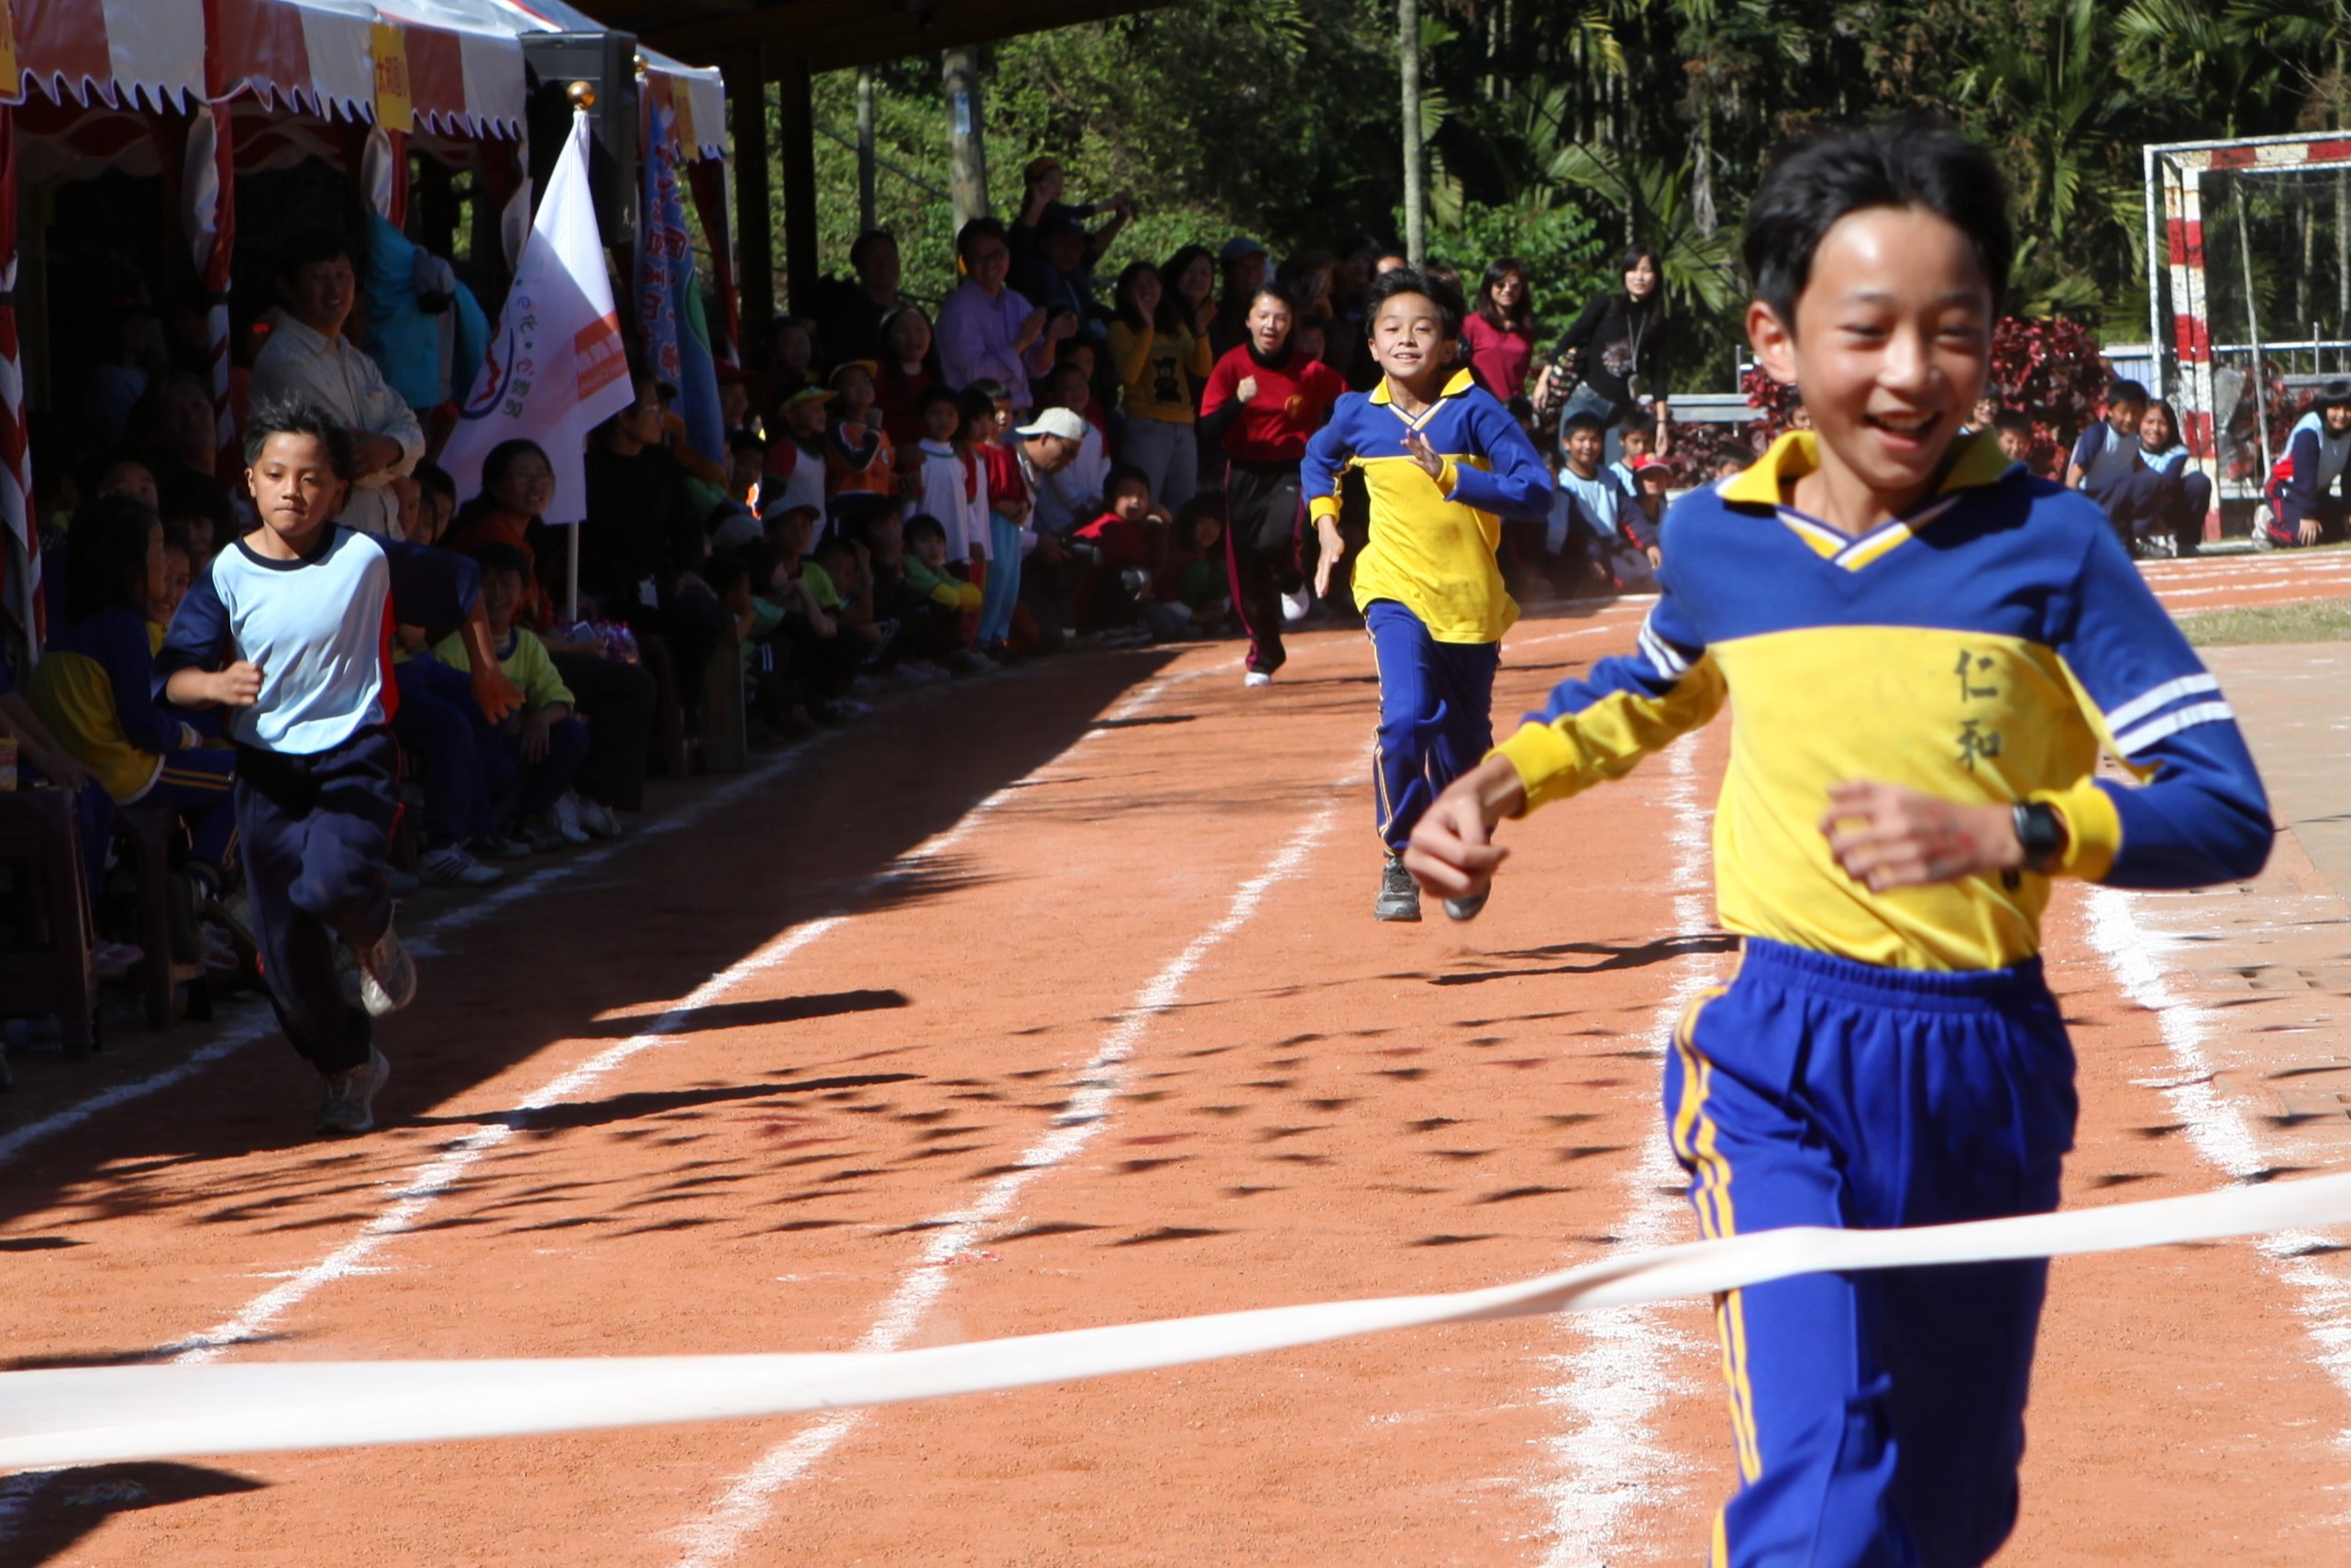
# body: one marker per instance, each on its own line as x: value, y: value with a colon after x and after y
x: 1566, y: 261
x: 1556, y: 130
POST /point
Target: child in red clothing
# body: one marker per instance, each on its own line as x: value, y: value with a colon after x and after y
x: 987, y: 415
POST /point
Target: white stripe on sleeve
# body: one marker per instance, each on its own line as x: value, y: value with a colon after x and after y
x: 2139, y: 707
x: 2171, y: 723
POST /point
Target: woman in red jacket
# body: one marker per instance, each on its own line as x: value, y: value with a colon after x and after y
x: 1264, y: 400
x: 1500, y: 332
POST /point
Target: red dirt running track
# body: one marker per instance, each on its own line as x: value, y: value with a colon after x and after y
x: 787, y: 1075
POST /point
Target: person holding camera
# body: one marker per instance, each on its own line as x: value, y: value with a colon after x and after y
x: 1611, y: 359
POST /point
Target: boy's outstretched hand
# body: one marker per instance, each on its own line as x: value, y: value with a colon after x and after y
x: 1452, y: 853
x: 1416, y: 448
x: 499, y: 698
x: 1887, y: 837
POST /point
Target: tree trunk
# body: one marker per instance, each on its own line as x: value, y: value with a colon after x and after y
x: 865, y: 220
x: 966, y: 146
x: 1416, y: 196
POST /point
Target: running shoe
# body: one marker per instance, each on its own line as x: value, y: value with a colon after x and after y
x: 387, y: 975
x: 451, y: 866
x: 1258, y: 678
x: 564, y: 819
x: 1399, y: 894
x: 598, y: 818
x: 1466, y: 909
x: 348, y: 1106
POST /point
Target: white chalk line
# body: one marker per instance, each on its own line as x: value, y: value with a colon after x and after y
x: 409, y: 1201
x: 2215, y: 1126
x: 745, y: 1507
x: 259, y: 1023
x: 412, y: 1198
x: 1609, y: 1462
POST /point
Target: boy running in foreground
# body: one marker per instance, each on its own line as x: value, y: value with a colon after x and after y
x: 291, y: 628
x: 1926, y: 649
x: 1444, y: 463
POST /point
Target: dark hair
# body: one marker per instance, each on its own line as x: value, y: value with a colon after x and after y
x: 1125, y: 306
x: 939, y: 393
x: 431, y: 476
x: 1122, y: 476
x: 724, y: 573
x: 1410, y: 280
x: 745, y: 441
x: 891, y: 374
x: 2335, y: 393
x: 968, y: 238
x: 1176, y: 266
x: 1632, y: 256
x: 988, y: 387
x: 2123, y: 390
x: 1523, y: 316
x: 505, y: 455
x: 1915, y: 161
x: 1205, y: 503
x: 497, y: 555
x: 297, y: 415
x: 1582, y: 419
x: 2171, y: 415
x: 976, y: 403
x: 782, y: 512
x: 1638, y: 424
x: 93, y: 468
x: 921, y: 526
x: 866, y: 241
x: 105, y: 555
x: 308, y: 247
x: 2020, y: 423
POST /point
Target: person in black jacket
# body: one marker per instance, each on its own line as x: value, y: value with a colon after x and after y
x: 1616, y: 349
x: 642, y: 550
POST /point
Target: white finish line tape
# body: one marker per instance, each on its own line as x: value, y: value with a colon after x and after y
x: 90, y: 1415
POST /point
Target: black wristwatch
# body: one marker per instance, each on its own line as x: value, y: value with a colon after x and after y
x: 2042, y: 835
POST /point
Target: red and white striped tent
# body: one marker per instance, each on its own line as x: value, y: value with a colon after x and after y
x: 196, y: 89
x: 2175, y: 203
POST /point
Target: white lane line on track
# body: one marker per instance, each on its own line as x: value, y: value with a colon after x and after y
x: 259, y: 1023
x: 746, y: 1506
x: 1609, y: 1462
x: 2218, y: 1130
x: 425, y: 1187
x: 430, y: 1181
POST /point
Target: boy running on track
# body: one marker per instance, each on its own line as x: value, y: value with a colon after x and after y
x: 1926, y: 648
x: 1444, y: 463
x: 291, y: 628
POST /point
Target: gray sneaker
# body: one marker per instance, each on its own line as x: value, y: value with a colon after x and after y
x: 1466, y: 909
x: 387, y: 975
x: 1399, y: 894
x: 348, y: 1105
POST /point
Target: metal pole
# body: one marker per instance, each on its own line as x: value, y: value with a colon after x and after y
x: 1407, y: 42
x: 2253, y: 325
x: 2155, y: 283
x: 966, y: 141
x: 865, y: 221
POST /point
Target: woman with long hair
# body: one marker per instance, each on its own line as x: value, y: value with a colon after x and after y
x: 1159, y: 360
x: 1616, y: 349
x: 1264, y: 401
x: 1500, y: 330
x: 910, y: 367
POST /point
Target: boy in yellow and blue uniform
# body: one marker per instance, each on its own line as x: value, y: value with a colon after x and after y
x: 1444, y: 463
x: 1926, y: 649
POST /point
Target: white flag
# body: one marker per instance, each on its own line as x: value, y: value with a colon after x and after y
x: 557, y: 366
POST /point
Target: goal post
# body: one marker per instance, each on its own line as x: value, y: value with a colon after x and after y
x: 2232, y: 226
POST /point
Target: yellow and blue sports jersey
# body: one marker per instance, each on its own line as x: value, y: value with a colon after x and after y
x: 1433, y: 539
x: 1983, y: 649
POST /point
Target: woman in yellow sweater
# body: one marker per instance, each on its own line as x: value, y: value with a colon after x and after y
x: 1159, y: 360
